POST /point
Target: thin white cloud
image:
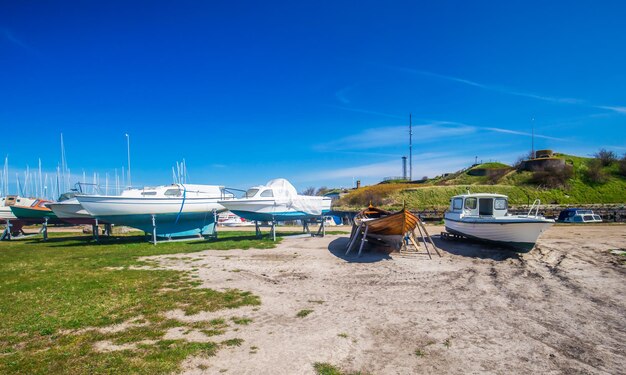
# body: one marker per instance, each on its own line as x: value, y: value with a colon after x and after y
x: 341, y: 95
x: 368, y: 112
x: 395, y: 136
x: 515, y: 132
x: 618, y: 109
x: 8, y: 35
x: 505, y: 90
x: 427, y: 164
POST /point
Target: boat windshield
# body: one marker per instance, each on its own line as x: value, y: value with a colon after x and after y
x: 584, y: 212
x: 500, y: 204
x: 267, y: 193
x: 251, y: 193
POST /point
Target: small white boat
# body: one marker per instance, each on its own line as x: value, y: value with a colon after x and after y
x: 13, y: 200
x: 71, y: 211
x: 175, y: 210
x: 229, y: 219
x: 578, y: 215
x: 277, y: 200
x: 485, y: 217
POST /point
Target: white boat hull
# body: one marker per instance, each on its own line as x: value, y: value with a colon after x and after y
x: 72, y: 211
x: 172, y: 216
x: 521, y: 233
x: 271, y: 210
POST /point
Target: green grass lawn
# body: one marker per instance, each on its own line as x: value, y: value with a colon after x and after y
x: 52, y: 293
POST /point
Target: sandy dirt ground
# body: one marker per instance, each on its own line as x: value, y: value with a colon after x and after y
x: 560, y: 309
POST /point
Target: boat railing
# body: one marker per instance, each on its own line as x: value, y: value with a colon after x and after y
x: 535, y: 206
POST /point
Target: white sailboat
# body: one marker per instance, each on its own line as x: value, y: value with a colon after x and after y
x: 175, y: 210
x: 485, y: 217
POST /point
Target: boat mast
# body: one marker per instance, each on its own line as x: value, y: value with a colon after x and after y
x: 410, y: 147
x: 130, y: 183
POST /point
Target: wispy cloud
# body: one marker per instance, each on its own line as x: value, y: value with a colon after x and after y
x: 426, y: 164
x: 341, y: 95
x: 509, y: 91
x: 515, y: 132
x: 369, y: 112
x: 395, y: 135
x: 618, y: 109
x: 8, y: 36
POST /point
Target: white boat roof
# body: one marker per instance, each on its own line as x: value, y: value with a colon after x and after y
x: 481, y: 195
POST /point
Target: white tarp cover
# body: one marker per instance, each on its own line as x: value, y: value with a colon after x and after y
x: 286, y: 193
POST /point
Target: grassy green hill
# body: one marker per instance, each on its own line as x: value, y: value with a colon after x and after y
x: 522, y: 187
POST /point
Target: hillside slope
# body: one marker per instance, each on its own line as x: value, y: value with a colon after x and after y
x: 520, y: 186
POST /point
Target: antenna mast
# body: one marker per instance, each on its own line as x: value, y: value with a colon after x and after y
x: 532, y: 149
x: 410, y: 147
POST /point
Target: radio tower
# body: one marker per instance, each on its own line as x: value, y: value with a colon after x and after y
x: 410, y: 147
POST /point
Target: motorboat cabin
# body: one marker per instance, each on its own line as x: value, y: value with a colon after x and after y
x: 480, y: 205
x: 577, y: 215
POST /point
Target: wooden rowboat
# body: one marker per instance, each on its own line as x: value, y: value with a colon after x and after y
x: 382, y: 227
x: 387, y: 223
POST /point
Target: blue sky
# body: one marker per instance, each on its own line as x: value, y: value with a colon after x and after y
x: 315, y: 92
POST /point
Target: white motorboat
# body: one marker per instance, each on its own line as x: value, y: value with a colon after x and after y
x: 275, y: 201
x: 578, y: 215
x: 229, y: 219
x: 71, y: 211
x: 175, y: 210
x: 485, y: 217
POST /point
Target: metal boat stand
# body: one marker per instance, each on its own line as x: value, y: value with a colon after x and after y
x: 8, y: 236
x: 305, y: 227
x: 321, y: 232
x: 44, y: 229
x: 258, y: 232
x: 360, y: 234
x: 213, y: 236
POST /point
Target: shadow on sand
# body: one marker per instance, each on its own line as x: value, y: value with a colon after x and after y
x: 465, y: 248
x: 474, y: 249
x: 338, y: 248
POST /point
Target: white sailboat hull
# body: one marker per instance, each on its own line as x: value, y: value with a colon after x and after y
x: 173, y: 217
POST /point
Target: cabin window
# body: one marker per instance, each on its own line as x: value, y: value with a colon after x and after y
x: 577, y: 219
x: 267, y: 193
x: 485, y: 206
x: 470, y: 203
x: 500, y: 204
x: 172, y: 192
x: 148, y: 193
x: 457, y: 204
x: 251, y: 193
